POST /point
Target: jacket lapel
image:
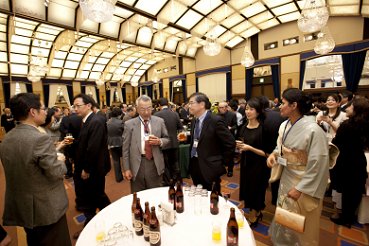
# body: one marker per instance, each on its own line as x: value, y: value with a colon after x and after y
x: 137, y: 134
x: 205, y: 125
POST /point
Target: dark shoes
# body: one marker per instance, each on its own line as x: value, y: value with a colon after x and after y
x: 339, y: 221
x: 256, y: 222
x: 230, y: 174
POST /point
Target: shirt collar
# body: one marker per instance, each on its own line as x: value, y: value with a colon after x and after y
x: 202, y: 117
x: 85, y: 118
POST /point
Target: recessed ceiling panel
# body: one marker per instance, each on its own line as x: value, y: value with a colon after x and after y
x: 343, y: 2
x: 284, y: 9
x: 110, y: 28
x: 128, y: 2
x: 144, y: 36
x: 253, y: 9
x: 172, y: 12
x: 241, y: 27
x: 289, y: 17
x: 189, y: 19
x: 344, y: 10
x: 71, y: 64
x: 239, y: 4
x: 226, y: 37
x: 206, y: 6
x: 34, y: 8
x: 123, y: 13
x: 221, y: 13
x: 274, y: 3
x: 61, y: 14
x: 232, y: 20
x: 249, y: 32
x: 262, y: 17
x: 216, y: 31
x: 54, y: 72
x: 234, y: 41
x: 203, y: 27
x: 171, y: 44
x: 150, y: 6
x: 268, y: 24
x: 57, y: 63
x: 67, y: 73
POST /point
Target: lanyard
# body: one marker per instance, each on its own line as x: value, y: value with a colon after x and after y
x: 285, y: 134
x: 146, y: 125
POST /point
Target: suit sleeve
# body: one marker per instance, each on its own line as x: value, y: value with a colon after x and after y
x: 179, y: 123
x: 164, y: 135
x: 46, y: 158
x: 127, y: 137
x: 226, y: 139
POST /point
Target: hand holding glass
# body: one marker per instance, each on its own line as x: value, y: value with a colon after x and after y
x: 68, y: 138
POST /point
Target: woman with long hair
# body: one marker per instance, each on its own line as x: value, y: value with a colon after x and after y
x: 349, y: 174
x: 302, y: 150
x: 254, y: 171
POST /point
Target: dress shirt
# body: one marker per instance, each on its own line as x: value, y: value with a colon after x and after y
x: 143, y: 134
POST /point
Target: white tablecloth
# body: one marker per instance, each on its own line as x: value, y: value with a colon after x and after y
x: 363, y: 215
x: 190, y: 229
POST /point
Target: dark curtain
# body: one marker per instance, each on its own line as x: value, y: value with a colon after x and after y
x: 83, y: 89
x: 352, y: 68
x: 302, y: 73
x: 29, y: 87
x: 6, y: 88
x: 228, y: 86
x: 170, y: 91
x: 275, y: 78
x: 124, y: 94
x: 149, y: 90
x: 184, y: 89
x: 70, y: 93
x: 197, y: 84
x: 249, y: 78
x: 161, y: 90
x: 138, y: 91
x: 46, y: 94
x: 107, y: 93
x: 98, y: 95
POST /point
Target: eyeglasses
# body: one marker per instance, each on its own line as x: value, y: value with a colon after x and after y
x: 78, y: 106
x: 192, y: 102
x: 145, y: 109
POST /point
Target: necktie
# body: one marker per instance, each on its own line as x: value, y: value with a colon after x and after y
x: 196, y: 136
x: 148, y: 148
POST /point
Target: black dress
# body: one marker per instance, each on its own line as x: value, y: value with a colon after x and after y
x: 349, y: 174
x: 254, y: 170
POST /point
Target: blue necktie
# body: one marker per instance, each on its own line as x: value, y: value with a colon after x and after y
x: 196, y: 136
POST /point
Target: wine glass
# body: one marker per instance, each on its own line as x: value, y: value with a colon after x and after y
x: 226, y: 195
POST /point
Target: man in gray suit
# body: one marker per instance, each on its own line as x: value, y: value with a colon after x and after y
x: 35, y: 196
x: 143, y: 140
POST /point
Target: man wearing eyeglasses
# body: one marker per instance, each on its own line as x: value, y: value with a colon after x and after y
x: 144, y: 137
x: 35, y: 196
x: 92, y: 158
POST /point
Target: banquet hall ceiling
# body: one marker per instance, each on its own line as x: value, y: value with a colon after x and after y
x: 55, y: 32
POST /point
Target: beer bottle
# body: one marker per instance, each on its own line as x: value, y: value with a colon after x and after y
x: 214, y: 200
x: 172, y: 194
x: 155, y: 237
x: 138, y: 219
x: 232, y: 230
x: 146, y: 222
x: 179, y: 198
x: 133, y: 208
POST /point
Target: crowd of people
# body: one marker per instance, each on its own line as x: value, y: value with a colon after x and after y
x: 43, y: 146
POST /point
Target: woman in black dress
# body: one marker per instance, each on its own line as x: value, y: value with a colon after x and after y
x: 349, y: 174
x: 254, y: 171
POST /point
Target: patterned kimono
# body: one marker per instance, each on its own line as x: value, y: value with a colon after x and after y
x: 304, y: 146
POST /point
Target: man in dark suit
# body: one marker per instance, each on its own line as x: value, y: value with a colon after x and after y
x: 93, y: 161
x: 7, y: 120
x: 212, y: 144
x: 346, y: 97
x: 35, y: 196
x: 173, y: 124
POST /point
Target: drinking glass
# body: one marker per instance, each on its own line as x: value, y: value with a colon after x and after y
x: 226, y: 195
x: 240, y: 217
x: 100, y: 233
x: 216, y: 232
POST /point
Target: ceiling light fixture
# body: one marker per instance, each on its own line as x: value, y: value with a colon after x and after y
x: 325, y: 42
x: 247, y: 59
x: 98, y: 10
x: 314, y: 16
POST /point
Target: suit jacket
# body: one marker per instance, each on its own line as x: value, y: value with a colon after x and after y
x: 173, y: 124
x: 93, y: 154
x: 215, y: 147
x: 273, y: 120
x: 35, y: 193
x: 115, y: 132
x: 71, y: 124
x: 230, y: 119
x: 132, y: 144
x: 7, y: 122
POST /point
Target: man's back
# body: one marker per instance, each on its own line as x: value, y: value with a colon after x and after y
x: 172, y: 123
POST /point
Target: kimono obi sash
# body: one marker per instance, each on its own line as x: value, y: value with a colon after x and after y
x: 296, y: 159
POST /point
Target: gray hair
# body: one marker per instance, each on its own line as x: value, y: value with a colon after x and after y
x: 143, y: 98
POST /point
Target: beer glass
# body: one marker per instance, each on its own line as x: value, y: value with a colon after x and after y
x: 216, y: 232
x: 69, y: 138
x: 240, y: 217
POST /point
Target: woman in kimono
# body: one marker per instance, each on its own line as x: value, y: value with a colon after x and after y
x: 302, y: 149
x: 349, y: 174
x: 254, y: 171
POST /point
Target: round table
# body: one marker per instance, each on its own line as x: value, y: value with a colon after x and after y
x: 189, y: 229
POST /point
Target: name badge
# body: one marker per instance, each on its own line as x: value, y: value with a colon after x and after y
x: 195, y: 143
x: 282, y: 161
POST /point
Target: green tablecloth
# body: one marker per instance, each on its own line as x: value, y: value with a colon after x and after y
x: 184, y: 159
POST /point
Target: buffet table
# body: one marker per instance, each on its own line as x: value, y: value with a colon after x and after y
x: 189, y: 229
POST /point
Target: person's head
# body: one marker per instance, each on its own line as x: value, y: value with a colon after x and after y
x: 198, y: 103
x: 358, y: 108
x: 49, y: 117
x: 162, y: 102
x: 233, y: 104
x: 66, y: 111
x: 333, y: 101
x: 131, y: 110
x: 294, y: 103
x: 7, y: 111
x: 83, y: 104
x: 254, y: 109
x: 242, y: 103
x: 223, y: 107
x: 144, y: 107
x: 95, y: 107
x: 276, y: 101
x: 57, y: 112
x: 105, y: 109
x: 346, y: 96
x: 116, y: 112
x: 264, y: 101
x: 27, y: 106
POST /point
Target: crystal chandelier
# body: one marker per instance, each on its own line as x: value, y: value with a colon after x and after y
x: 98, y: 10
x: 212, y: 47
x: 313, y: 17
x: 38, y: 68
x: 247, y: 58
x: 325, y: 42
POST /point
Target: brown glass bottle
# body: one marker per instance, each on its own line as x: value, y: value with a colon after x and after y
x: 138, y: 218
x: 146, y: 222
x: 179, y: 198
x: 214, y: 200
x: 172, y: 194
x: 133, y: 208
x: 232, y: 230
x: 155, y: 236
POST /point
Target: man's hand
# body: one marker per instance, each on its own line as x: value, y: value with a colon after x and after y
x: 294, y: 194
x: 154, y: 140
x: 85, y: 175
x: 271, y: 160
x: 127, y: 174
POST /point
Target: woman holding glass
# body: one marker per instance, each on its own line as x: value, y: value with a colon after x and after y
x: 254, y: 171
x: 302, y: 150
x: 349, y: 174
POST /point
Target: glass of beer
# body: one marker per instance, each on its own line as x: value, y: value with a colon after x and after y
x: 216, y: 233
x: 182, y: 136
x: 240, y: 217
x: 69, y: 138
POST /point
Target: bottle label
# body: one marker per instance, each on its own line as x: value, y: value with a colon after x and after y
x: 146, y: 230
x: 179, y: 204
x: 138, y: 225
x: 154, y: 237
x: 232, y: 240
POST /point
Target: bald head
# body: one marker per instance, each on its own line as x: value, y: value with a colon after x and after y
x: 223, y: 107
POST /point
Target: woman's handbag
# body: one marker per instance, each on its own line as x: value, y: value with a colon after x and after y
x: 291, y: 220
x: 333, y: 155
x: 275, y: 173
